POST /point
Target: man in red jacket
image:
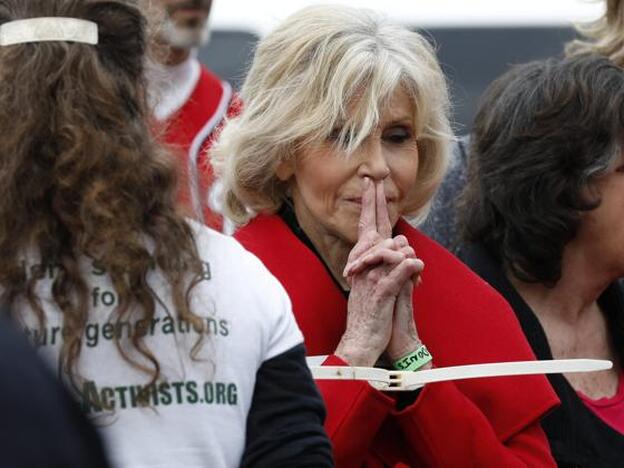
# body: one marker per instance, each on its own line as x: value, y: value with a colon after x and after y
x: 189, y: 101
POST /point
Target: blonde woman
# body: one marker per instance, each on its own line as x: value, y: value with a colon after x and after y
x: 605, y: 36
x: 344, y: 132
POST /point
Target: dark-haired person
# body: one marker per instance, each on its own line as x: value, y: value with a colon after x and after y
x: 189, y: 101
x: 604, y: 36
x: 180, y: 344
x: 41, y: 424
x: 543, y: 218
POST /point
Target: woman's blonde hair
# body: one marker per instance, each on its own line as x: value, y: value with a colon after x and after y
x: 605, y: 36
x: 326, y: 67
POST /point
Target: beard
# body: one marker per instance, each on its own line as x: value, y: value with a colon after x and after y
x: 192, y: 34
x: 184, y: 37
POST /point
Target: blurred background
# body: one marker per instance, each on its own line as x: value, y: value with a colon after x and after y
x: 476, y: 40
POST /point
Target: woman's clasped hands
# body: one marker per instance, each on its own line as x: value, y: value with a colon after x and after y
x: 382, y: 271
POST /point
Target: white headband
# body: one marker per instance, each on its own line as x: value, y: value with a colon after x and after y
x: 48, y: 29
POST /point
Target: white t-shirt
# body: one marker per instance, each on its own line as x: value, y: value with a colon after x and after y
x: 198, y: 409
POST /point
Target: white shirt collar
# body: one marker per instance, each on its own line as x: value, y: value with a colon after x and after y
x: 170, y: 87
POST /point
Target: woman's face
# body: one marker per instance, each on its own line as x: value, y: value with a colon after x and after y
x: 602, y: 229
x: 327, y: 185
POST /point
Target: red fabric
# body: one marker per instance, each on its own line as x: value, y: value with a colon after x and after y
x: 484, y: 422
x: 199, y: 119
x: 610, y: 409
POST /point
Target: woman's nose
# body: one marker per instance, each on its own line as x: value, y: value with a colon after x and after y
x: 373, y: 163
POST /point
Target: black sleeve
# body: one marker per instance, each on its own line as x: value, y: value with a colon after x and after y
x: 42, y: 425
x: 285, y: 422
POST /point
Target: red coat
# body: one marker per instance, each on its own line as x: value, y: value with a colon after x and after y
x: 462, y: 320
x: 190, y: 133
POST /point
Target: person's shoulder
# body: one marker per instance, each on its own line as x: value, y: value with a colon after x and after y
x: 267, y: 236
x: 212, y: 90
x: 251, y: 287
x: 447, y: 278
x: 210, y: 76
x: 260, y: 227
x: 216, y: 245
x: 461, y: 148
x: 231, y: 260
x: 429, y: 250
x: 459, y: 159
x: 457, y: 307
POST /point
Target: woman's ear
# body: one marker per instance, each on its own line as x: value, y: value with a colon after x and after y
x: 285, y: 169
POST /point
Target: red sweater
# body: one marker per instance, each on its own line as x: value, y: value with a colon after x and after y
x: 483, y: 422
x: 190, y: 132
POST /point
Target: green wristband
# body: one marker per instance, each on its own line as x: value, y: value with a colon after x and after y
x: 414, y: 360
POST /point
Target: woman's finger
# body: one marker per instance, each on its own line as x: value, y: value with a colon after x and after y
x: 379, y: 256
x: 392, y: 283
x: 404, y: 337
x: 368, y: 221
x: 408, y: 252
x: 384, y: 228
x: 368, y: 244
x: 371, y: 242
x: 401, y: 240
x: 374, y: 257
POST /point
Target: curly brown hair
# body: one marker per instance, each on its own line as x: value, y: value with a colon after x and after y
x: 81, y: 175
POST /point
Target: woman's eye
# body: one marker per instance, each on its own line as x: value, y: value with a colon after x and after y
x: 397, y: 135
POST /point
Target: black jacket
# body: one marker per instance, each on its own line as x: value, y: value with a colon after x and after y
x: 577, y: 436
x: 41, y: 426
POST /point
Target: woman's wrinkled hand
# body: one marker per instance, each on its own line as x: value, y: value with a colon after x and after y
x: 378, y: 270
x: 404, y: 336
